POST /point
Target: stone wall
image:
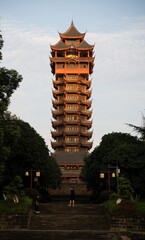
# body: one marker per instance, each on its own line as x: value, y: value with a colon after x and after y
x: 80, y: 189
x: 127, y: 228
x: 15, y: 221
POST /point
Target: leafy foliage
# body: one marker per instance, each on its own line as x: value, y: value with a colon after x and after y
x: 30, y: 151
x: 125, y: 189
x: 15, y: 189
x: 124, y: 150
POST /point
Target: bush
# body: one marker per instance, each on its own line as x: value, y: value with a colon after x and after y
x: 7, y: 206
x: 126, y: 208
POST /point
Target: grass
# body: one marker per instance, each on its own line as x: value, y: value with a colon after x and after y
x: 139, y: 205
x: 11, y: 207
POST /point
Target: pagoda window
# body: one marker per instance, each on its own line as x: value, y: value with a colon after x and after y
x: 71, y: 117
x: 71, y: 139
x: 72, y: 77
x: 72, y: 65
x: 60, y: 65
x: 71, y: 149
x: 84, y: 54
x: 71, y: 106
x: 72, y: 86
x: 83, y: 65
x: 71, y: 128
x: 72, y: 96
x: 60, y: 54
x: 72, y: 42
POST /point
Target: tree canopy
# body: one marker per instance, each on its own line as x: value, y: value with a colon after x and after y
x: 21, y: 147
x: 117, y: 149
x: 30, y: 151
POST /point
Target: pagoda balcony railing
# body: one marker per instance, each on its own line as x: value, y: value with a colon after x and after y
x: 71, y: 143
x: 71, y: 70
x: 71, y: 110
x: 71, y: 90
x: 71, y: 100
x: 71, y: 80
x: 70, y: 121
x: 73, y: 132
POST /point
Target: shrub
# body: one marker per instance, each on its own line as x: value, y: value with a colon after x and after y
x: 126, y: 208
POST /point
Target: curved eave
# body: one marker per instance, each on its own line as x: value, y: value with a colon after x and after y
x: 88, y: 103
x: 59, y: 49
x: 57, y: 82
x: 63, y: 36
x: 87, y: 124
x: 55, y: 134
x: 56, y: 144
x: 55, y: 102
x: 87, y: 144
x: 84, y: 49
x: 86, y: 113
x: 56, y: 113
x: 55, y: 93
x: 56, y: 124
x: 87, y: 134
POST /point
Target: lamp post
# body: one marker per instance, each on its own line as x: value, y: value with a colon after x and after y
x: 31, y: 175
x: 117, y: 171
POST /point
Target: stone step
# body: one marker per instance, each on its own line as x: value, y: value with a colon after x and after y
x: 69, y: 222
x: 60, y: 208
x: 53, y: 235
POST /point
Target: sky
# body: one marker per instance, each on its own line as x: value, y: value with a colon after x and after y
x: 116, y: 27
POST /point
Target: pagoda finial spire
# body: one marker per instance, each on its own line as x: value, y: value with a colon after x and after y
x: 72, y: 23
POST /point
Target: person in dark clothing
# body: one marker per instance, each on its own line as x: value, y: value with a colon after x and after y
x: 72, y: 197
x: 35, y: 205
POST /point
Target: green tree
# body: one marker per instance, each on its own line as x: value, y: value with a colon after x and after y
x: 120, y: 149
x: 9, y: 82
x: 125, y: 189
x: 30, y: 151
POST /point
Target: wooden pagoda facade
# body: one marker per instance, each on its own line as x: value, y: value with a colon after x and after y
x: 71, y: 63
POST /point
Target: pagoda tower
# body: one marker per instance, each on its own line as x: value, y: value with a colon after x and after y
x: 72, y: 64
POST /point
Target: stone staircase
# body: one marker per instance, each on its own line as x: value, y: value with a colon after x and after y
x: 58, y: 221
x: 84, y: 221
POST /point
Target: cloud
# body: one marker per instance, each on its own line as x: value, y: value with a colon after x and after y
x: 118, y: 78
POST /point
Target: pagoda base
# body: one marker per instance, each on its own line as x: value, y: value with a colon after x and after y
x: 71, y: 165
